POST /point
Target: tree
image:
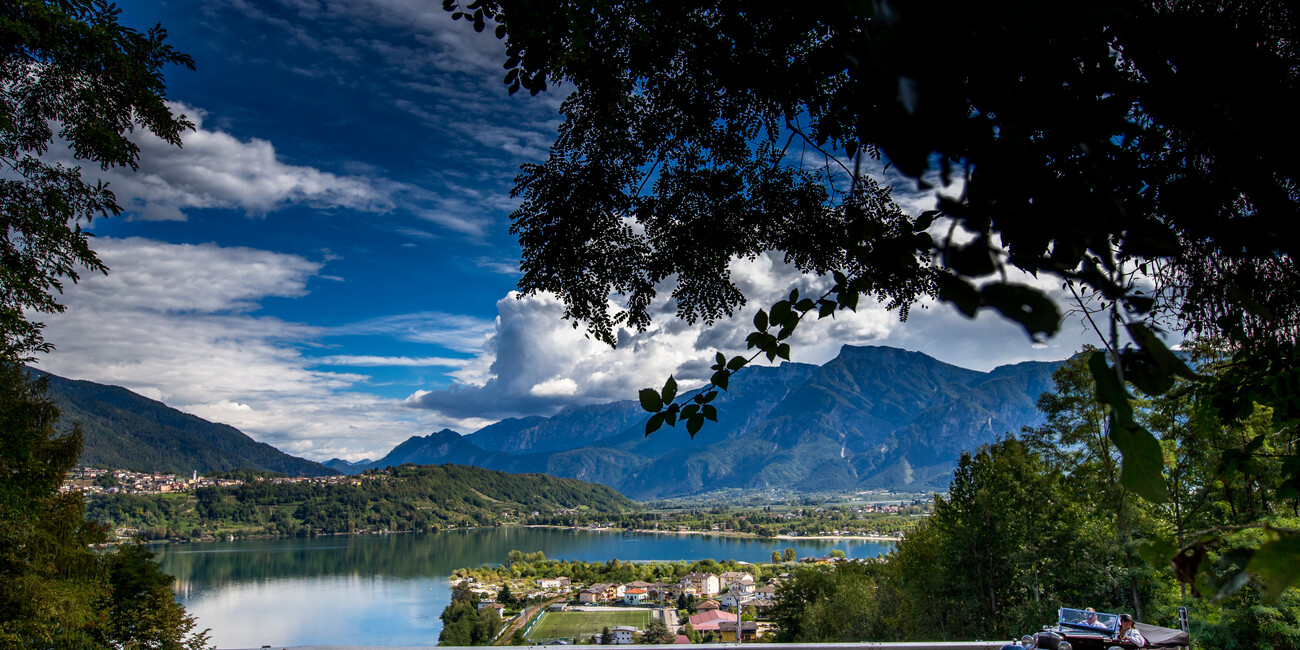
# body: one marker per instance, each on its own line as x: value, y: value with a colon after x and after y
x: 67, y: 69
x: 1097, y: 143
x: 657, y: 632
x: 58, y: 592
x: 606, y: 637
x: 143, y: 611
x: 67, y: 65
x: 504, y: 596
x: 828, y: 604
x: 692, y: 633
x: 776, y: 557
x: 788, y: 555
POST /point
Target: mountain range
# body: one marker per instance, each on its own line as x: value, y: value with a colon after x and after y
x: 872, y: 417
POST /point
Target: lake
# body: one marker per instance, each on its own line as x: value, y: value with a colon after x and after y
x: 390, y: 589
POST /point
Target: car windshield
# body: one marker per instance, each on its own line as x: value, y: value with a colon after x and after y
x: 1086, y: 620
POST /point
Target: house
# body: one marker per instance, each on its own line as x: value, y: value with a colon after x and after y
x: 602, y: 592
x: 709, y: 620
x: 737, y: 581
x: 660, y: 592
x: 700, y: 584
x: 590, y: 595
x: 707, y: 605
x: 490, y: 605
x: 634, y: 596
x: 732, y: 599
x: 624, y: 634
x: 553, y: 583
x: 765, y: 593
x: 748, y: 631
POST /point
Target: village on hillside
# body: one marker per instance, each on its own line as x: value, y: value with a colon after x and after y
x: 91, y: 480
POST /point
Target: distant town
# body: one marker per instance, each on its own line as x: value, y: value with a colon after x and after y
x: 91, y: 480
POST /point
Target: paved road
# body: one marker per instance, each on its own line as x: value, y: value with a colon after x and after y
x: 669, y: 616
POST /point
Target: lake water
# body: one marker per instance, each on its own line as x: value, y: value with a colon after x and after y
x: 390, y: 589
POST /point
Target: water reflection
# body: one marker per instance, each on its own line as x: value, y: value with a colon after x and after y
x: 390, y: 589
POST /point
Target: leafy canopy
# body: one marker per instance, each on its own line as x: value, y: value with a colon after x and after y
x: 67, y: 70
x: 1141, y: 152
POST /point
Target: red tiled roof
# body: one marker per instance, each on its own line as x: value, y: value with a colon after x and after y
x: 709, y: 620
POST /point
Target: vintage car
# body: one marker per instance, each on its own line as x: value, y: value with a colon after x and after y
x: 1078, y: 629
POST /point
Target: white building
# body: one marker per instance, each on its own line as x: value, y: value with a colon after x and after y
x: 624, y: 634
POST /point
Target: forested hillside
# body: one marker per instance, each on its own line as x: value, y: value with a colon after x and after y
x: 402, y: 498
x: 124, y: 430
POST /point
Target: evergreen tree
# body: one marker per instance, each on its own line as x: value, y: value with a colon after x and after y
x: 657, y: 632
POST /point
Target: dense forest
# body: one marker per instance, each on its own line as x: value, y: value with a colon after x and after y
x: 405, y: 498
x: 1041, y: 521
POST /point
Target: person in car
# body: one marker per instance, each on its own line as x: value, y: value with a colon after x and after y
x: 1128, y: 633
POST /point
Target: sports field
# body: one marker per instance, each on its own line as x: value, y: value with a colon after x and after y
x: 568, y: 625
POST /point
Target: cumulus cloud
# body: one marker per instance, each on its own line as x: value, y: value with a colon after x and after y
x: 534, y: 362
x: 178, y: 323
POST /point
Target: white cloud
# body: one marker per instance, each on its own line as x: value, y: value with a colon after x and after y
x: 535, y: 362
x: 214, y: 169
x: 557, y: 387
x: 177, y: 323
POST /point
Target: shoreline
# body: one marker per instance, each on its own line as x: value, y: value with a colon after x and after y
x: 715, y: 533
x: 727, y: 533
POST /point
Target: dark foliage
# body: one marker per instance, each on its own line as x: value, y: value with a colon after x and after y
x: 67, y: 65
x: 406, y: 498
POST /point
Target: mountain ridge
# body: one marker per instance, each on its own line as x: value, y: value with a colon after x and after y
x: 872, y: 417
x: 124, y: 430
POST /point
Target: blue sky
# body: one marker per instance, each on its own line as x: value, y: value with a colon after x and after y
x: 326, y: 263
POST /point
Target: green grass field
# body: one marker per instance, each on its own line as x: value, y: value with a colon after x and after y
x: 568, y: 625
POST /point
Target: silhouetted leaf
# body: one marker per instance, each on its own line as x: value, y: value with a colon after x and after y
x: 650, y: 400
x: 1160, y: 355
x: 670, y: 390
x: 826, y: 308
x: 654, y: 423
x: 1025, y: 305
x: 694, y: 423
x: 960, y: 293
